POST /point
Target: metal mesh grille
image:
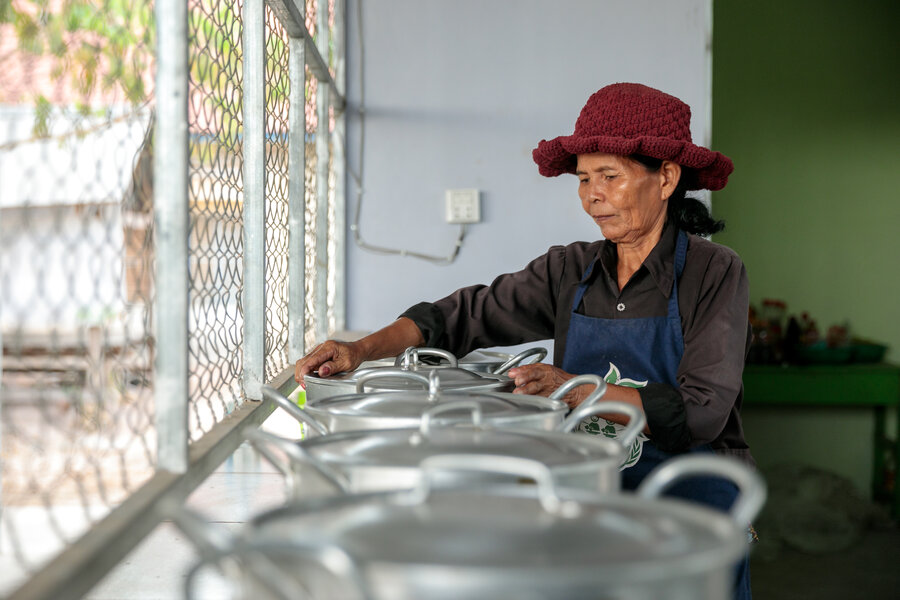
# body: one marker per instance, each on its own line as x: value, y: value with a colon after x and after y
x: 216, y: 201
x: 76, y: 270
x: 312, y: 208
x: 78, y: 258
x: 312, y: 201
x: 277, y: 95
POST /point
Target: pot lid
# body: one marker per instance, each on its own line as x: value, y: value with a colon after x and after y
x: 393, y: 378
x: 486, y: 358
x: 487, y: 529
x: 480, y: 361
x: 529, y: 528
x: 412, y: 404
x: 407, y: 448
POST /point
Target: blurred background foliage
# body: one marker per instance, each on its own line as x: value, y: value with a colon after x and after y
x: 100, y: 50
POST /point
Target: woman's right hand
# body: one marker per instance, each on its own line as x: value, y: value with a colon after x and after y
x: 328, y: 358
x: 334, y: 357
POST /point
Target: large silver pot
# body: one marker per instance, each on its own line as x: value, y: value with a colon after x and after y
x: 389, y: 459
x: 517, y: 541
x: 404, y: 409
x: 452, y: 376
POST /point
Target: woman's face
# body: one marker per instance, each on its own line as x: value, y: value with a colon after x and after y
x: 627, y: 200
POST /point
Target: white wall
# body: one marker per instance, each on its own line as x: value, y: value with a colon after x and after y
x: 457, y: 94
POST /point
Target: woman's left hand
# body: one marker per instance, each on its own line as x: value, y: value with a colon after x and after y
x: 540, y: 379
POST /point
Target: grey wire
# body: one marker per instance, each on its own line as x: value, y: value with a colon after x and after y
x: 358, y: 177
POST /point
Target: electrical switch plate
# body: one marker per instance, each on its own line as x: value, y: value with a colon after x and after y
x: 463, y: 206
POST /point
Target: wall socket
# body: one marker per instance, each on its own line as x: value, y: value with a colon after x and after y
x: 463, y: 206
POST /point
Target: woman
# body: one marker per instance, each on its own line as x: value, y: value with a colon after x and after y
x: 658, y: 311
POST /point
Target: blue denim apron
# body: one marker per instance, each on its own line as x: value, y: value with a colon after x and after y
x: 634, y: 352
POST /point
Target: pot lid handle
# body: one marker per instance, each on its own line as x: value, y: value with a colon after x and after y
x: 382, y: 373
x: 636, y: 418
x: 410, y: 357
x: 541, y: 353
x: 595, y: 380
x: 500, y: 465
x: 263, y: 441
x: 429, y: 415
x: 751, y: 486
x: 273, y: 395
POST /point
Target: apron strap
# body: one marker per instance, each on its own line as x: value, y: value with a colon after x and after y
x: 582, y: 287
x: 680, y: 259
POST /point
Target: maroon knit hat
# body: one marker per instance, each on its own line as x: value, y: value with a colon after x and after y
x: 630, y: 118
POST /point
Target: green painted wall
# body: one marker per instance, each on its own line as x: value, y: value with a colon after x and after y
x: 806, y: 100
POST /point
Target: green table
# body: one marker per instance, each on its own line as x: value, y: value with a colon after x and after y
x: 870, y: 386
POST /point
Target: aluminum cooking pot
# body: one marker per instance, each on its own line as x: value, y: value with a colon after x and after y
x: 505, y: 541
x: 479, y: 361
x: 452, y: 377
x: 404, y: 409
x: 389, y: 459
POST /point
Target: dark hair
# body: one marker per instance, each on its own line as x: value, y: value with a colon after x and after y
x: 685, y: 212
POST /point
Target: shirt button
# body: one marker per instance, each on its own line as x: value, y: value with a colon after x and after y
x: 620, y: 307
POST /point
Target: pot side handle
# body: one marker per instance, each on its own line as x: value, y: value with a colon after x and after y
x: 541, y: 353
x: 215, y: 544
x: 273, y: 395
x: 255, y: 558
x: 206, y: 537
x: 264, y: 441
x: 255, y: 562
x: 258, y: 568
x: 579, y: 380
x: 636, y: 418
x: 751, y: 486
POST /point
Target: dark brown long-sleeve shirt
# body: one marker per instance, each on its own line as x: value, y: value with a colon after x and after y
x: 535, y: 304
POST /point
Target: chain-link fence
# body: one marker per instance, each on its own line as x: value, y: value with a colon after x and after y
x: 79, y: 249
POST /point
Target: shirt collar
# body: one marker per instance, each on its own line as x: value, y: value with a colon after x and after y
x: 660, y: 263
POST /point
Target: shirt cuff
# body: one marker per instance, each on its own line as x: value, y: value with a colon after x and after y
x: 429, y: 320
x: 666, y: 418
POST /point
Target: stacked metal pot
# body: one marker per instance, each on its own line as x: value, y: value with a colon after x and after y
x: 421, y: 483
